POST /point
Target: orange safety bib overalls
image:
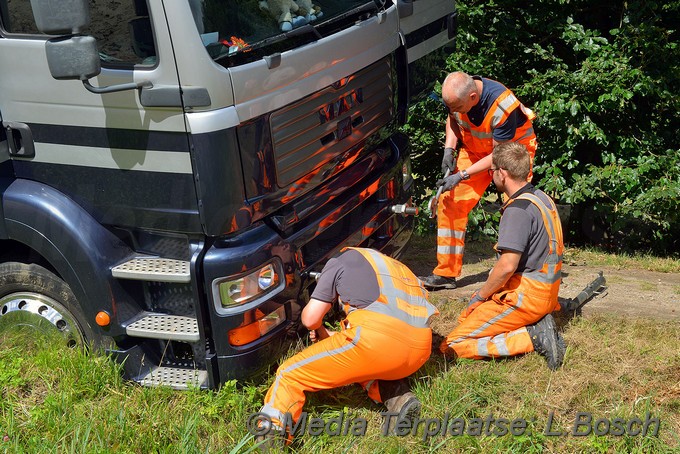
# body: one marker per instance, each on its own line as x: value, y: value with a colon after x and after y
x: 497, y: 327
x: 388, y: 340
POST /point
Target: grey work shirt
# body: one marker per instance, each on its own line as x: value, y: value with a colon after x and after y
x: 522, y: 230
x: 352, y: 276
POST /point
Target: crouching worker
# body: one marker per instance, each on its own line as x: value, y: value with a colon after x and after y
x: 386, y: 337
x: 510, y: 314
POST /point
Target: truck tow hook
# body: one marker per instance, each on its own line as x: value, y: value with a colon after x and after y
x: 404, y: 209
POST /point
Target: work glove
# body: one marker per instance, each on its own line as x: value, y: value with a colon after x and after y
x: 448, y: 161
x: 475, y: 299
x: 449, y: 182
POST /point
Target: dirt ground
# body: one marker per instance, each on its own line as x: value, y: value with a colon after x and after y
x: 633, y: 293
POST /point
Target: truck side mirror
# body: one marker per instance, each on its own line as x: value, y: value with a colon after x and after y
x: 61, y: 17
x: 74, y: 57
x: 71, y: 56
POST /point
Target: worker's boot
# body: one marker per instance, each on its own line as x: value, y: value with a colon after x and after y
x: 272, y: 442
x: 400, y: 401
x: 437, y: 282
x: 547, y: 341
x: 449, y: 354
x: 269, y: 437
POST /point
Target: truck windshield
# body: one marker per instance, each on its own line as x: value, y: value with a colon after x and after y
x: 239, y: 31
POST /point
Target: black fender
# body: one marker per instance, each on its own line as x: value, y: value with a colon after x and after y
x: 80, y: 249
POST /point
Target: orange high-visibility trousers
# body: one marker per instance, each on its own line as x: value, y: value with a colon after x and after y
x: 374, y: 347
x: 453, y: 210
x: 452, y: 216
x: 497, y: 327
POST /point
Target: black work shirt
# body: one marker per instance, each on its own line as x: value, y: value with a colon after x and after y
x: 352, y: 276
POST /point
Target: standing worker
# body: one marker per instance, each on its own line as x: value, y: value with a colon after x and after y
x: 386, y: 337
x: 482, y: 114
x: 510, y: 314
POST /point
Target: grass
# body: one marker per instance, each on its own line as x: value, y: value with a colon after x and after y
x: 58, y: 400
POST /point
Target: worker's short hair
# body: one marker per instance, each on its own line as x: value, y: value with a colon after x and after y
x: 514, y: 158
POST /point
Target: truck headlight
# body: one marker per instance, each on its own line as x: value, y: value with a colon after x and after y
x: 243, y: 289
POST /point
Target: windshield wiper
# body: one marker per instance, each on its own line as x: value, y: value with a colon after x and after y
x: 364, y: 12
x: 366, y: 7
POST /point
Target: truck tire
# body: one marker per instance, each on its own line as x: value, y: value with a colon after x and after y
x: 31, y: 296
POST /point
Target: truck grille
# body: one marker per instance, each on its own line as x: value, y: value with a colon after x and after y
x: 318, y: 128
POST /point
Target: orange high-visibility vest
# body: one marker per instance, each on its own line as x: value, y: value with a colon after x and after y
x: 402, y: 295
x: 543, y: 284
x: 479, y: 139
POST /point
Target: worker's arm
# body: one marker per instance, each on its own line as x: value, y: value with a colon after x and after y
x: 504, y: 268
x: 312, y: 317
x: 452, y: 133
x: 480, y: 166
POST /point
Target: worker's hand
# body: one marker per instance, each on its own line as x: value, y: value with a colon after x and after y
x: 449, y: 182
x: 320, y: 333
x: 449, y: 161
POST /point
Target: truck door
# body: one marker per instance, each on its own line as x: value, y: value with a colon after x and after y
x: 125, y: 161
x: 428, y: 28
x: 6, y: 171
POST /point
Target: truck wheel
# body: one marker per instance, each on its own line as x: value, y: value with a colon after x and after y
x: 31, y: 296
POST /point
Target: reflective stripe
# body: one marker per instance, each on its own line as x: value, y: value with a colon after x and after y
x: 368, y: 385
x: 273, y: 412
x: 544, y: 278
x: 501, y: 346
x: 528, y: 133
x: 531, y: 115
x: 490, y: 322
x: 306, y: 361
x: 448, y: 233
x: 503, y: 109
x: 506, y: 103
x: 500, y: 341
x: 411, y: 308
x: 450, y: 250
x: 481, y: 134
x: 481, y: 346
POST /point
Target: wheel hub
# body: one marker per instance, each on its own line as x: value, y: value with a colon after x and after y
x: 39, y: 312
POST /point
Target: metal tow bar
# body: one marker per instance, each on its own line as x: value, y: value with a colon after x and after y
x: 434, y: 201
x: 596, y: 287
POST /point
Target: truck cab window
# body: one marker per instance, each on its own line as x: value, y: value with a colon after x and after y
x: 237, y: 31
x: 122, y: 28
x: 123, y: 31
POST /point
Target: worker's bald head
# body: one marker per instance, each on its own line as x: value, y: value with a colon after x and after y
x: 457, y: 86
x: 459, y: 92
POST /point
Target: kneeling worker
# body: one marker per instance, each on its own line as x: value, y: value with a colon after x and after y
x: 386, y: 337
x: 510, y: 314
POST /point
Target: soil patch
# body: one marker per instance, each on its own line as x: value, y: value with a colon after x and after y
x: 634, y: 293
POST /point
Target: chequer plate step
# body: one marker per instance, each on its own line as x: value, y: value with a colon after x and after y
x: 154, y: 269
x: 162, y: 326
x: 175, y: 378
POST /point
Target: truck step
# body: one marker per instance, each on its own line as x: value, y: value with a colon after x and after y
x: 153, y: 269
x: 175, y: 378
x: 162, y: 326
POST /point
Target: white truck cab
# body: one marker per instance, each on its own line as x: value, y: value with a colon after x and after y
x: 172, y: 171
